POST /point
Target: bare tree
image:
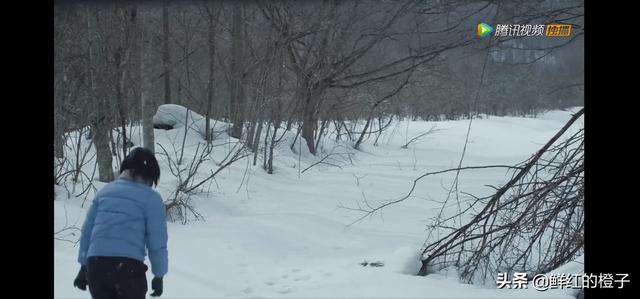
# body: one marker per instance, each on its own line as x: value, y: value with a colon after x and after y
x: 166, y: 53
x: 178, y: 204
x: 237, y: 101
x: 331, y: 50
x: 147, y: 102
x: 99, y: 124
x: 374, y: 106
x: 127, y: 20
x: 213, y: 19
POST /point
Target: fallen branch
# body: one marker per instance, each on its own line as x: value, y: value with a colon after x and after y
x: 414, y: 139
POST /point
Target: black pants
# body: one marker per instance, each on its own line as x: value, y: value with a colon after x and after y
x: 116, y: 278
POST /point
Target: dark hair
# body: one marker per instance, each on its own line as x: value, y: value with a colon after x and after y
x: 142, y: 163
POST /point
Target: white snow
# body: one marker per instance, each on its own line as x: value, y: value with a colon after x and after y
x: 285, y: 235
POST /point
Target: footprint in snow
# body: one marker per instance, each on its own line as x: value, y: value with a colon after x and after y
x: 302, y: 278
x: 285, y: 290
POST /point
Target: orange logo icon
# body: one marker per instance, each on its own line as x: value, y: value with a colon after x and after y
x: 558, y: 30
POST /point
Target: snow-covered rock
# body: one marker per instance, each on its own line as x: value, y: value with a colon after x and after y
x: 176, y: 116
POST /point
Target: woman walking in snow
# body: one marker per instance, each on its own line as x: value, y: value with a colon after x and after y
x: 126, y: 217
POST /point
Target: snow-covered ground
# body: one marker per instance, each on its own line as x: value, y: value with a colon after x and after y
x: 286, y: 235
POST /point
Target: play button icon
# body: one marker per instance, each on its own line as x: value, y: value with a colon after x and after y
x: 484, y: 30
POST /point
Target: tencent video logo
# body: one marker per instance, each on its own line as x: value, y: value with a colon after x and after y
x: 484, y: 30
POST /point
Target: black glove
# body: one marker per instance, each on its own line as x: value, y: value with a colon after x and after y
x: 81, y: 280
x: 156, y: 286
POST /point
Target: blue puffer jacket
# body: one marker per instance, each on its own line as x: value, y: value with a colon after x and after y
x: 126, y: 216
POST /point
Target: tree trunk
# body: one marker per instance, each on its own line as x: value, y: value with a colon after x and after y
x: 308, y: 129
x: 212, y: 55
x: 166, y: 57
x: 103, y: 153
x: 375, y: 143
x: 266, y: 139
x: 367, y: 124
x: 256, y: 142
x: 237, y: 90
x: 272, y: 146
x: 295, y: 138
x: 310, y: 94
x: 99, y: 125
x: 59, y: 140
x: 364, y: 130
x: 121, y: 60
x: 251, y: 133
x: 310, y: 122
x: 148, y: 107
x: 320, y: 132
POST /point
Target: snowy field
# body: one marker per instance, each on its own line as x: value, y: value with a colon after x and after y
x: 287, y: 235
